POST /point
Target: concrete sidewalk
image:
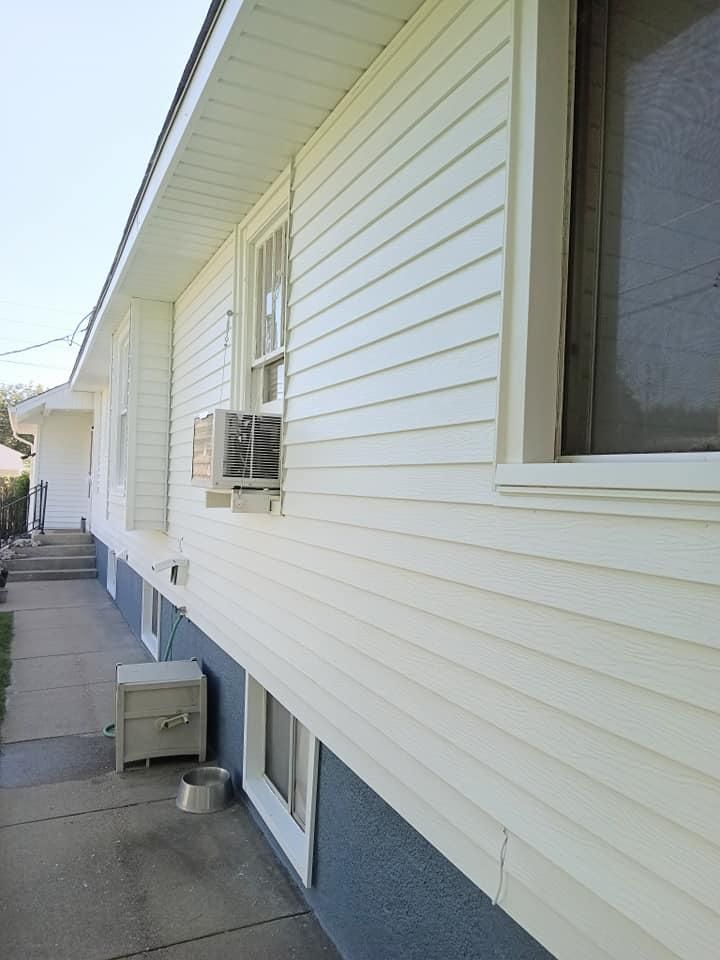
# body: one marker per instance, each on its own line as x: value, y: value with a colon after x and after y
x: 100, y: 866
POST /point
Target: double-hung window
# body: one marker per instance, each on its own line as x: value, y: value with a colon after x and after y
x: 611, y: 325
x: 269, y: 256
x: 642, y: 345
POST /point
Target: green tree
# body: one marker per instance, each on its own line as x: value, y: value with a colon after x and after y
x: 11, y: 393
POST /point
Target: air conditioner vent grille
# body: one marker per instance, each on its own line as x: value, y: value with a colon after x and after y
x: 252, y: 447
x: 237, y: 449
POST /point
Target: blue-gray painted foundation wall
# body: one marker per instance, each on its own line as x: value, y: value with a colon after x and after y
x: 101, y: 555
x: 225, y: 688
x: 379, y: 888
x: 382, y: 891
x: 128, y: 596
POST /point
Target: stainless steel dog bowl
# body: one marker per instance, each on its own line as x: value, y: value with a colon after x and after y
x: 204, y: 790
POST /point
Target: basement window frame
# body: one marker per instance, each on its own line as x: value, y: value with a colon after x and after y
x: 296, y: 841
x: 111, y: 574
x: 150, y: 619
x: 531, y: 381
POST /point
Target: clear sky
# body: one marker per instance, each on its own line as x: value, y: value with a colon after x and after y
x: 84, y: 89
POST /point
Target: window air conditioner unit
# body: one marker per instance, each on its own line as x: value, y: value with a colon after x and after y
x: 234, y: 448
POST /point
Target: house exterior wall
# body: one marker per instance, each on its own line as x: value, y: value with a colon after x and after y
x: 63, y: 461
x: 537, y: 675
x: 444, y: 916
x: 150, y: 336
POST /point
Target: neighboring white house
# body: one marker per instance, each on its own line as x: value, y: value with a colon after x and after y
x: 490, y: 583
x: 11, y: 462
x: 61, y: 424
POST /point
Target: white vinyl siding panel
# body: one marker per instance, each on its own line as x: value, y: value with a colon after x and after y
x: 547, y: 666
x: 151, y: 337
x: 64, y: 453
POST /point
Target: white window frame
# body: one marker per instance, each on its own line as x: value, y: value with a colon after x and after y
x: 111, y: 576
x: 248, y: 386
x: 296, y: 843
x: 150, y: 639
x: 536, y: 262
x: 120, y: 406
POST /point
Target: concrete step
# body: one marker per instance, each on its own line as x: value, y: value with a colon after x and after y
x: 81, y: 573
x: 57, y: 550
x: 69, y: 561
x: 64, y: 536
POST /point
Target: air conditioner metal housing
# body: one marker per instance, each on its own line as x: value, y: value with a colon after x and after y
x: 237, y: 449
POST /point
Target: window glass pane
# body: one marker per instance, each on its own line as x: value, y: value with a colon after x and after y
x: 302, y: 763
x: 124, y: 372
x: 267, y: 290
x: 270, y: 292
x: 643, y: 334
x: 121, y: 460
x: 279, y: 287
x: 277, y: 745
x: 155, y: 613
x: 259, y: 300
x: 274, y: 381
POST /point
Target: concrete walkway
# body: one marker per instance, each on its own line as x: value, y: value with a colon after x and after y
x: 100, y: 866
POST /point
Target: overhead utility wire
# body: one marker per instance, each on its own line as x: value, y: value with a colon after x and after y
x: 68, y: 338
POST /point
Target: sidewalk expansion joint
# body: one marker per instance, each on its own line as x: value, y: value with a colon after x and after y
x: 206, y: 936
x: 82, y: 813
x: 61, y: 686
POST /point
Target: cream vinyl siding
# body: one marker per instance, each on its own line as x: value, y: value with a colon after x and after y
x: 150, y: 347
x: 544, y: 666
x: 63, y: 445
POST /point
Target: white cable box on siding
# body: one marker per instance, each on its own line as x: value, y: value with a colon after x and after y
x: 160, y: 711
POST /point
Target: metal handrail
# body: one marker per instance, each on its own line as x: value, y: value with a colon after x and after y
x: 23, y: 515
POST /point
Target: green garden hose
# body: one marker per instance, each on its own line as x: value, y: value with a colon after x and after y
x: 180, y: 615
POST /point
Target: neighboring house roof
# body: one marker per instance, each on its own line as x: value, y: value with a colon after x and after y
x: 28, y: 413
x: 11, y: 463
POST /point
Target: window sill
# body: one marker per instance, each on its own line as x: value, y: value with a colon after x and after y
x: 663, y: 478
x: 294, y: 842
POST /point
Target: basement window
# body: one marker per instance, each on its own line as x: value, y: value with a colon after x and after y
x: 111, y: 580
x: 150, y: 631
x: 280, y: 770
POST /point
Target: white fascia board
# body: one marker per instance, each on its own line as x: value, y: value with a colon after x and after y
x: 230, y: 20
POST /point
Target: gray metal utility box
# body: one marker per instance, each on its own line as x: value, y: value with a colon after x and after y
x: 160, y: 711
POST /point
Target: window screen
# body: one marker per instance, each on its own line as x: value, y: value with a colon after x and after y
x: 642, y: 362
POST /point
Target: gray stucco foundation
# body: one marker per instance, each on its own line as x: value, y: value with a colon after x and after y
x: 225, y: 689
x: 101, y: 554
x: 128, y: 596
x: 381, y: 891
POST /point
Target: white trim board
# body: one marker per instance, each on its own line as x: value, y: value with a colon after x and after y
x: 296, y: 843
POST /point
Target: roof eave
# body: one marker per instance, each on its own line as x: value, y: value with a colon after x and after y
x: 220, y: 19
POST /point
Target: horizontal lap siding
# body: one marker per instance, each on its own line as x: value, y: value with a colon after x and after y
x: 150, y: 372
x: 201, y: 368
x: 65, y: 466
x: 549, y: 671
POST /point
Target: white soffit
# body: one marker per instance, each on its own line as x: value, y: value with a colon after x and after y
x: 270, y: 73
